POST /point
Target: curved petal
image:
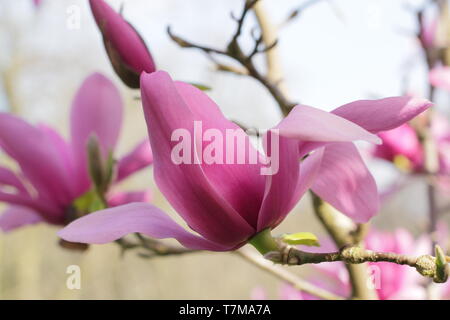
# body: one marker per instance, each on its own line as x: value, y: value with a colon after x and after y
x: 309, y: 169
x: 38, y: 158
x: 139, y: 158
x: 383, y: 114
x: 314, y: 125
x: 281, y: 186
x: 302, y: 131
x: 96, y: 110
x: 440, y: 77
x: 112, y: 224
x: 284, y: 189
x: 65, y: 157
x: 48, y: 210
x: 345, y: 182
x: 16, y: 217
x: 239, y: 182
x: 402, y: 140
x: 121, y: 198
x: 185, y: 185
x: 9, y: 178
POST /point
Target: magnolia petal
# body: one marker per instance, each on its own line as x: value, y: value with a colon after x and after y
x: 314, y: 125
x: 9, y: 178
x: 345, y: 182
x: 37, y: 156
x: 282, y: 184
x: 121, y: 198
x: 382, y: 114
x: 15, y: 217
x: 185, y: 185
x: 239, y: 182
x: 280, y: 190
x: 66, y: 158
x: 139, y: 158
x: 111, y: 224
x: 49, y: 211
x: 440, y: 77
x: 401, y: 141
x: 96, y: 110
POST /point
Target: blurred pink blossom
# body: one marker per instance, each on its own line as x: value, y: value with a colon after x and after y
x: 440, y: 77
x: 402, y: 147
x: 37, y: 3
x: 428, y: 32
x: 54, y: 172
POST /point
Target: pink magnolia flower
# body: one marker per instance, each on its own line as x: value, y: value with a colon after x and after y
x: 126, y: 49
x: 37, y: 3
x: 391, y: 281
x: 54, y: 172
x: 440, y: 77
x: 227, y: 204
x: 402, y: 141
x: 403, y: 147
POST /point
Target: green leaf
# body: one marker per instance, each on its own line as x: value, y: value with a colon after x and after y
x: 301, y: 238
x: 201, y: 86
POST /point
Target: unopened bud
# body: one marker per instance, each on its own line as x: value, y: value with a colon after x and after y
x: 442, y: 268
x: 126, y: 49
x: 95, y: 162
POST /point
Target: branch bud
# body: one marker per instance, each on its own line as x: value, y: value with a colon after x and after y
x: 442, y: 268
x: 95, y: 162
x: 426, y: 266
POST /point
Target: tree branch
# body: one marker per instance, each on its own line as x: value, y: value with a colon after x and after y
x: 152, y: 247
x: 286, y: 276
x: 342, y: 236
x: 235, y: 52
x: 426, y: 265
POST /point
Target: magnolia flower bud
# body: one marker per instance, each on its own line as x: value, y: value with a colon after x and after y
x: 95, y: 162
x: 126, y: 49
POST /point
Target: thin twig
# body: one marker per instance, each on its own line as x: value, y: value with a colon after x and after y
x: 235, y: 52
x: 356, y: 255
x: 269, y: 38
x: 286, y: 276
x: 152, y: 247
